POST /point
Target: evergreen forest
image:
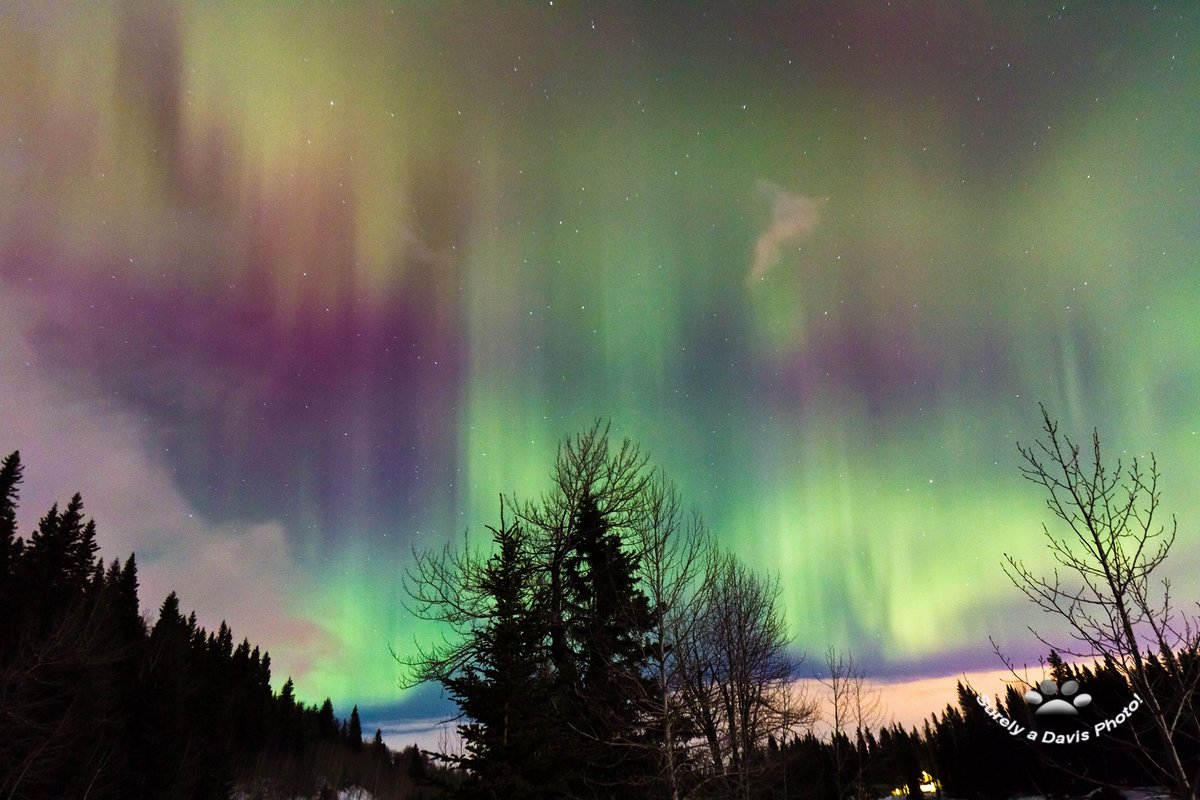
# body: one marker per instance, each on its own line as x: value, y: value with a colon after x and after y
x: 598, y: 644
x: 97, y: 703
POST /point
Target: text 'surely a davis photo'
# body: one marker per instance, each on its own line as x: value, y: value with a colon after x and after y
x: 1053, y: 702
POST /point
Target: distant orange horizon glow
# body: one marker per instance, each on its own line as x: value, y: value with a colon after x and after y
x: 912, y: 701
x: 909, y: 702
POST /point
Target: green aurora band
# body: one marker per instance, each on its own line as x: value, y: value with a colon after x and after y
x: 821, y: 264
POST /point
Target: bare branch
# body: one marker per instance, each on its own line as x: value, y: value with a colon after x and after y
x: 1113, y: 608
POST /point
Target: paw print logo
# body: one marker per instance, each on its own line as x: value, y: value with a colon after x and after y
x: 1048, y: 705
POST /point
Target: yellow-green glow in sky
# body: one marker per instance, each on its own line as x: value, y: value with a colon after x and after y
x: 297, y: 288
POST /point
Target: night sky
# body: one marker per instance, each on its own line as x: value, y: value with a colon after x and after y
x: 286, y: 290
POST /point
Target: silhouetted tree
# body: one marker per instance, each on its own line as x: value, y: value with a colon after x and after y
x: 354, y: 730
x: 378, y: 748
x: 10, y: 547
x: 1108, y: 594
x: 853, y: 709
x: 739, y: 682
x: 93, y: 704
x: 327, y: 724
x: 671, y: 572
x: 502, y: 687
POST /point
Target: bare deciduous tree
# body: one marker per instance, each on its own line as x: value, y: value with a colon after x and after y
x: 605, y: 557
x: 54, y: 695
x: 446, y: 586
x: 739, y: 679
x: 854, y: 708
x: 700, y: 671
x: 1105, y: 588
x: 672, y: 547
x: 586, y: 471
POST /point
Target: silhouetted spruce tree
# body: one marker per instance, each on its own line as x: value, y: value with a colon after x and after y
x: 92, y: 704
x: 378, y: 748
x: 598, y: 619
x: 327, y: 724
x: 120, y: 655
x: 1110, y: 693
x: 289, y: 720
x: 170, y: 746
x: 502, y: 689
x: 909, y: 758
x: 809, y: 770
x: 607, y: 624
x: 973, y: 755
x: 555, y: 628
x: 416, y: 766
x: 61, y: 721
x: 10, y: 552
x: 354, y: 730
x: 57, y: 565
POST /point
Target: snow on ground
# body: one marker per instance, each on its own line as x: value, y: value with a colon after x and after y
x: 351, y: 793
x: 1136, y: 793
x: 355, y: 793
x: 1146, y: 793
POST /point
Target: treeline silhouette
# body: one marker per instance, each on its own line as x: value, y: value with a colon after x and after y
x: 95, y: 703
x: 601, y: 645
x: 972, y: 756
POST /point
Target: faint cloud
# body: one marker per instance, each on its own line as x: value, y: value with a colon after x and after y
x: 793, y: 218
x: 435, y: 734
x: 73, y: 439
x: 247, y: 574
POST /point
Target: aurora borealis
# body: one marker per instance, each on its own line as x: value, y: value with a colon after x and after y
x: 289, y: 289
